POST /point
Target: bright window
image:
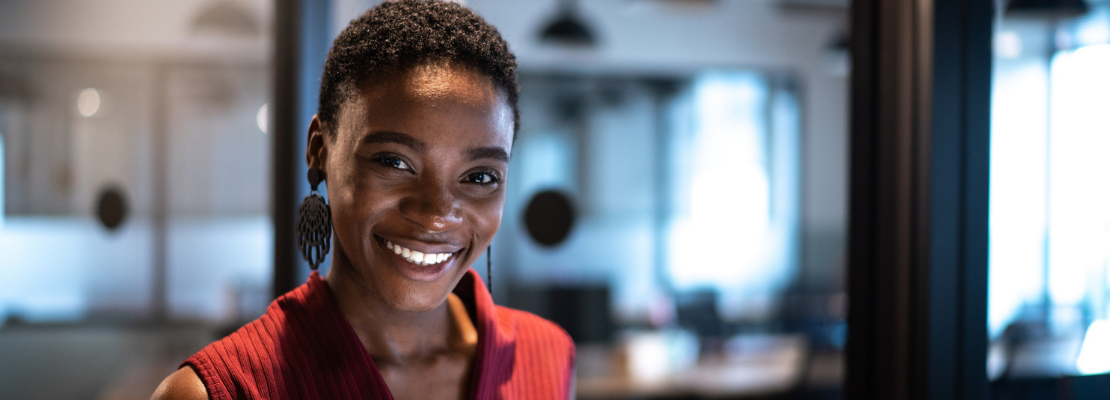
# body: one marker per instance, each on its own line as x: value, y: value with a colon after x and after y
x: 735, y: 220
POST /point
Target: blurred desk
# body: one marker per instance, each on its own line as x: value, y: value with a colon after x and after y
x: 710, y: 379
x: 93, y: 360
x: 775, y: 370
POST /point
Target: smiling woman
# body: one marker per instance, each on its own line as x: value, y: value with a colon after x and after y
x: 402, y: 169
x: 413, y: 137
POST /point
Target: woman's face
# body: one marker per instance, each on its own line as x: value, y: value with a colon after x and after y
x: 416, y: 179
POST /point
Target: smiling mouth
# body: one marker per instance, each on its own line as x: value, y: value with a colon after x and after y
x: 417, y: 257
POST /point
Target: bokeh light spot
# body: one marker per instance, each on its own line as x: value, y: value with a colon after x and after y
x: 88, y: 102
x: 263, y: 118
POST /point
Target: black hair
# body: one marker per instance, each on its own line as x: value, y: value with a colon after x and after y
x: 397, y: 35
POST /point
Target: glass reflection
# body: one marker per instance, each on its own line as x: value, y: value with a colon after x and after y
x: 1050, y: 197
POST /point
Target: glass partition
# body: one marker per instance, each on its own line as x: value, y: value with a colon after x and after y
x: 1050, y: 195
x: 179, y: 149
x: 134, y: 188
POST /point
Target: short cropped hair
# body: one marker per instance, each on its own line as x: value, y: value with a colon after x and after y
x: 397, y: 35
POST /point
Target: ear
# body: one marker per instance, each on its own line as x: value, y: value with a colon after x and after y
x: 316, y: 152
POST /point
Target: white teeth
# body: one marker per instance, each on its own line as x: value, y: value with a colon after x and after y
x: 417, y: 257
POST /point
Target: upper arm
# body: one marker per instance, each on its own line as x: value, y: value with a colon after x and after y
x: 184, y: 384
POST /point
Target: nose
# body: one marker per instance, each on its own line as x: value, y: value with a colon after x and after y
x: 432, y: 205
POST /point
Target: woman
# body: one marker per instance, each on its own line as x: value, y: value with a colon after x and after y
x: 415, y: 126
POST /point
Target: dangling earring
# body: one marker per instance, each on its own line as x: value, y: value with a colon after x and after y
x: 314, y: 224
x: 489, y: 271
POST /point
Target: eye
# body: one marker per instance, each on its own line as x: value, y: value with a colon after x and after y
x: 392, y: 161
x: 481, y: 177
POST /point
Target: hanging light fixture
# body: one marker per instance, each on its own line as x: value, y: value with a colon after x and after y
x: 1047, y: 8
x: 227, y: 18
x: 567, y: 28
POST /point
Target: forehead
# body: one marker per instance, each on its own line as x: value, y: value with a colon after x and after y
x: 432, y: 82
x: 418, y: 98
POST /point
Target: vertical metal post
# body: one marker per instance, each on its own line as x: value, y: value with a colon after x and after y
x: 663, y: 95
x: 160, y: 199
x: 286, y: 93
x: 300, y: 46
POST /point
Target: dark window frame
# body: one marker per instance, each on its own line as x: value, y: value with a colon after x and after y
x: 920, y: 152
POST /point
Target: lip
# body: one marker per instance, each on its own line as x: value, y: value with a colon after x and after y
x: 426, y: 273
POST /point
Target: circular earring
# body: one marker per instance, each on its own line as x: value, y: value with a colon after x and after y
x: 314, y: 224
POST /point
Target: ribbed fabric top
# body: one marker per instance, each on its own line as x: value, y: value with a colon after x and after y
x: 304, y: 348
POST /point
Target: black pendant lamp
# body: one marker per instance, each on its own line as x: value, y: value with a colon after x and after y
x: 567, y: 28
x: 1047, y: 8
x: 228, y: 18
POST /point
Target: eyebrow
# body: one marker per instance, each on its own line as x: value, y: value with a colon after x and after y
x: 477, y: 153
x: 392, y: 137
x: 495, y: 153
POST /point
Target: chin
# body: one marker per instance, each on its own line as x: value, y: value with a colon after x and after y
x: 405, y: 294
x: 416, y: 298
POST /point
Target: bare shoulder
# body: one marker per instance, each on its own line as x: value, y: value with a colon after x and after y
x: 184, y: 384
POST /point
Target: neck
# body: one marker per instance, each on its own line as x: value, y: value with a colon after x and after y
x: 391, y: 336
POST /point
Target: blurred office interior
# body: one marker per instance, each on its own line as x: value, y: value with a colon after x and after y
x: 1050, y: 200
x: 678, y: 201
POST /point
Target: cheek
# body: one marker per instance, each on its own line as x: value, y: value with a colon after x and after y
x: 488, y: 217
x: 356, y: 206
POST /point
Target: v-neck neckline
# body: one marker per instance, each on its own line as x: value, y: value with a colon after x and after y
x: 493, y: 343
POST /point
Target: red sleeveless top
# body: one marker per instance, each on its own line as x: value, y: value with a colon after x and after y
x: 303, y: 348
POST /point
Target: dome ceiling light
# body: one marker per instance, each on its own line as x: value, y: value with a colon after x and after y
x: 567, y: 28
x: 1047, y: 8
x: 227, y: 18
